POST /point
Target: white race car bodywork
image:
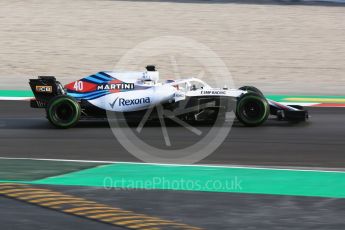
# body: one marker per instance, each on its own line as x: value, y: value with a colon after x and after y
x: 151, y: 92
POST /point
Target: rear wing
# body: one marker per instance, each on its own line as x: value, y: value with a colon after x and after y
x: 45, y: 88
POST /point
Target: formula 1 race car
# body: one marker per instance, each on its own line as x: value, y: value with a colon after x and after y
x: 133, y: 93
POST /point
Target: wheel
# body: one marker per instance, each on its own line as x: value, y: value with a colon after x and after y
x: 252, y: 109
x: 63, y: 111
x: 252, y: 89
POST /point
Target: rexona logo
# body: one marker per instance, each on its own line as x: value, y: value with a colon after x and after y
x: 116, y: 86
x: 44, y: 89
x: 129, y: 102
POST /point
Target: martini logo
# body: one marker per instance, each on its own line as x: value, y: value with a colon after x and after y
x: 116, y: 86
x: 44, y: 89
x: 129, y: 102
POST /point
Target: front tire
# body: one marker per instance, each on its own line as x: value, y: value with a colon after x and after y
x: 252, y: 109
x: 63, y: 112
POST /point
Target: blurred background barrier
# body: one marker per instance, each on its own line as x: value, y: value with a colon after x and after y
x: 278, y: 47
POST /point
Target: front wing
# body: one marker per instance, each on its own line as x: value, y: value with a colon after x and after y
x: 288, y: 112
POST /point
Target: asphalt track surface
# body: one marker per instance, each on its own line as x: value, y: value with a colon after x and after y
x: 207, y: 210
x: 319, y: 143
x: 24, y: 132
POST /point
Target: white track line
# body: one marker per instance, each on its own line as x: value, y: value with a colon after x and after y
x: 299, y: 103
x: 177, y: 165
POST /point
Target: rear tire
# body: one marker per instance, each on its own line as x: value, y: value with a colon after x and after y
x: 63, y: 112
x: 252, y: 109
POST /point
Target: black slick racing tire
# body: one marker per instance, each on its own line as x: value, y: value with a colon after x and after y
x: 252, y: 109
x: 63, y: 112
x: 252, y: 89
